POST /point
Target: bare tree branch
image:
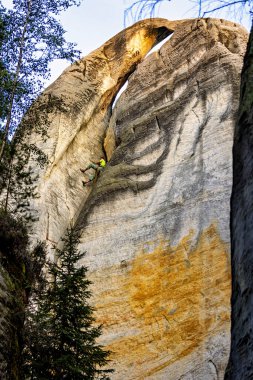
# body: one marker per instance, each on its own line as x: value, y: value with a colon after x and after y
x: 222, y: 7
x: 206, y: 6
x: 146, y: 8
x: 141, y: 9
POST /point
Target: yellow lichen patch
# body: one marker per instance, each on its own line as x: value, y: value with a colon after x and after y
x: 140, y: 43
x: 166, y: 303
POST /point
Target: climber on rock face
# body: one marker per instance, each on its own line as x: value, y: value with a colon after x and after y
x: 98, y: 167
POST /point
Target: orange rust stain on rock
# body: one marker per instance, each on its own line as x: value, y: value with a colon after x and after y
x: 168, y: 302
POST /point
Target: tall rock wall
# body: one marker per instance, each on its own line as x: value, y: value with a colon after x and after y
x: 74, y: 113
x: 156, y: 224
x: 241, y: 358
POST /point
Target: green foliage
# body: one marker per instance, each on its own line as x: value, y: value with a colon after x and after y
x: 5, y: 76
x: 18, y: 269
x: 17, y: 183
x: 61, y: 336
x: 15, y: 255
x: 13, y: 235
x: 31, y: 37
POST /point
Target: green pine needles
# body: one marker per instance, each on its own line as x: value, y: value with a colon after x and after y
x: 60, y: 332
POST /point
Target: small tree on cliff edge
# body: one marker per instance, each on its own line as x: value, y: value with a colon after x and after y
x: 61, y: 342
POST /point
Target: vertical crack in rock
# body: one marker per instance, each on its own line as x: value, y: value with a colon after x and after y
x: 155, y: 226
x: 78, y: 108
x: 162, y: 208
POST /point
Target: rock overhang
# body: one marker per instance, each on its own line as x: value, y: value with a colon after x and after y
x: 170, y: 176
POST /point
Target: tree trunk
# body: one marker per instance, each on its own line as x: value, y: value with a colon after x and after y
x: 15, y: 82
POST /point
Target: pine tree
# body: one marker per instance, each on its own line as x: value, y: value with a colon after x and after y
x: 62, y: 338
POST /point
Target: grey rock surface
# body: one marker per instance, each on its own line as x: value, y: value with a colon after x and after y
x: 74, y: 112
x: 155, y: 225
x: 164, y: 200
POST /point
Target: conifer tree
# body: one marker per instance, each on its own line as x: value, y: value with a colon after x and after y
x: 62, y: 336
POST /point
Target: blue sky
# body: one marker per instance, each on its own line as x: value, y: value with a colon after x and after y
x: 95, y: 21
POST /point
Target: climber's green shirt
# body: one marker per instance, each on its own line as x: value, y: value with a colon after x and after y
x: 102, y: 163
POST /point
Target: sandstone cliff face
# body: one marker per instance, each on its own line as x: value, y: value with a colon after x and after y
x: 241, y: 358
x: 156, y: 224
x: 78, y: 107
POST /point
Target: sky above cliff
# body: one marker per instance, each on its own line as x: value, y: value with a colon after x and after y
x: 95, y: 21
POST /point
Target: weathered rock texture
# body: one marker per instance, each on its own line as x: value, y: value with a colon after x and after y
x: 156, y: 224
x: 241, y: 358
x: 78, y: 107
x: 156, y: 227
